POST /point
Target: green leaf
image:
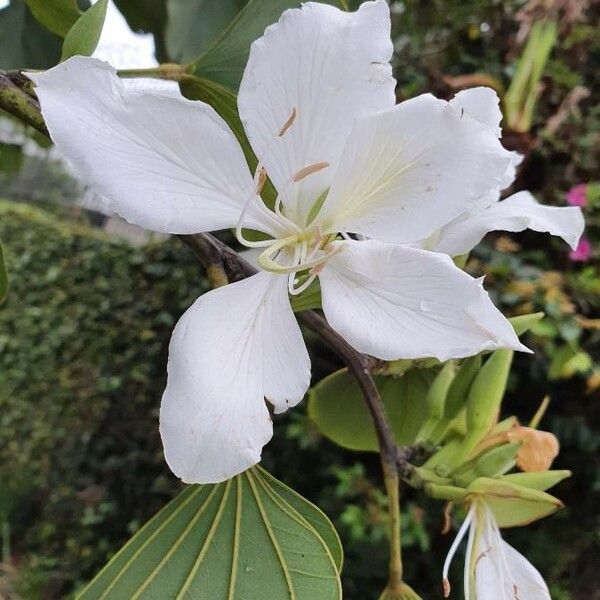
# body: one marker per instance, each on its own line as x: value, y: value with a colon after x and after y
x: 338, y: 409
x: 312, y: 514
x: 194, y: 25
x: 84, y: 35
x: 11, y: 158
x: 3, y: 276
x: 58, y: 16
x: 149, y: 16
x: 567, y: 362
x: 225, y: 61
x: 512, y: 504
x: 24, y: 43
x: 249, y: 537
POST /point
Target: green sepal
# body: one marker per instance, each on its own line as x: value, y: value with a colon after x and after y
x: 514, y: 505
x: 445, y: 492
x: 447, y: 458
x: 538, y: 480
x: 491, y: 463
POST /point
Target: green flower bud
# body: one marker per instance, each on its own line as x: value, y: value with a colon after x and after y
x: 540, y: 480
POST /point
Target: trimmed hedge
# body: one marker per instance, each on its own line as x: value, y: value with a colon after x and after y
x: 83, y: 346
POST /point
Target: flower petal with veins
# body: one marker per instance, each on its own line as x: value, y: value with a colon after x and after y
x: 234, y: 346
x: 398, y: 302
x: 163, y: 162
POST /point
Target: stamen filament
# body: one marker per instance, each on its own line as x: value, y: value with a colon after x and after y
x: 454, y: 547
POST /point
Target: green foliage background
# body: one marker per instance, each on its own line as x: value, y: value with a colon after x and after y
x: 85, y: 328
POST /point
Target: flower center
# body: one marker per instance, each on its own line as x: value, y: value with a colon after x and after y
x: 303, y: 253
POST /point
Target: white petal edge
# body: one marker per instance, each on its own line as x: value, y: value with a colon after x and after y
x: 518, y: 212
x: 409, y: 170
x: 328, y: 66
x: 235, y: 346
x: 481, y: 104
x: 162, y: 162
x: 394, y: 302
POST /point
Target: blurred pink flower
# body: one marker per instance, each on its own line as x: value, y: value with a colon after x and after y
x: 577, y: 195
x: 583, y: 251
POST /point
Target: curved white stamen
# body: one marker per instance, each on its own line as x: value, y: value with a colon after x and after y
x: 240, y: 225
x: 454, y: 547
x: 265, y: 260
x: 294, y: 291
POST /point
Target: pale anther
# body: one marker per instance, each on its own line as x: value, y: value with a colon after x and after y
x: 288, y: 123
x: 262, y: 178
x: 309, y: 170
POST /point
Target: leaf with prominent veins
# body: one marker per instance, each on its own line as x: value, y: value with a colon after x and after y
x: 203, y: 545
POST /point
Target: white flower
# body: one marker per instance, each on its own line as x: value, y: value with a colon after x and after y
x: 317, y: 102
x: 516, y: 213
x: 494, y: 570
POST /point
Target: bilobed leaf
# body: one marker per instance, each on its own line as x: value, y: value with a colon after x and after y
x: 58, y: 16
x: 337, y: 407
x: 193, y: 26
x: 84, y: 35
x: 249, y: 537
x: 312, y: 514
x: 24, y: 43
x: 224, y: 62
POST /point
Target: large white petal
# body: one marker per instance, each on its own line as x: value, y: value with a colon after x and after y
x: 407, y: 171
x: 163, y: 162
x: 395, y: 302
x: 517, y: 213
x: 326, y: 65
x: 502, y: 573
x: 234, y: 346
